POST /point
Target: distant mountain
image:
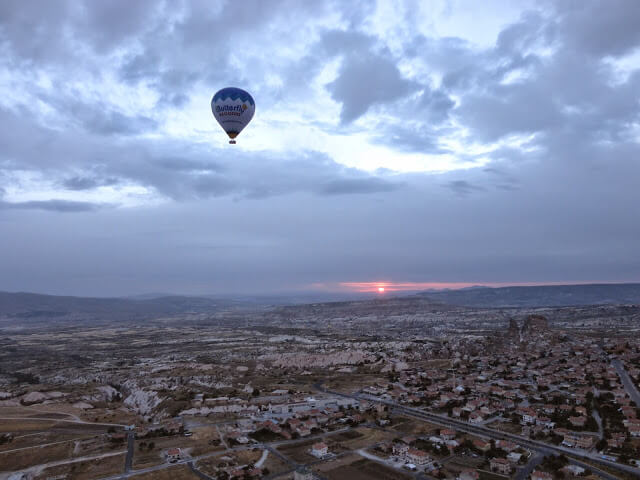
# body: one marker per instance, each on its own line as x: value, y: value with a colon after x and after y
x: 32, y: 306
x: 541, y: 296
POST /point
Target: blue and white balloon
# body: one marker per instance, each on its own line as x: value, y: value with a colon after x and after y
x: 233, y: 108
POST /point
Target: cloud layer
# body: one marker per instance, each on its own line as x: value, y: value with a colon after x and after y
x: 381, y: 149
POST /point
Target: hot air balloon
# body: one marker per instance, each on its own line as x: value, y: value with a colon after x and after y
x: 233, y: 109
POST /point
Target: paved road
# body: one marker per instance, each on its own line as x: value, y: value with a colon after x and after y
x: 531, y: 465
x: 263, y: 458
x: 128, y: 461
x: 626, y: 381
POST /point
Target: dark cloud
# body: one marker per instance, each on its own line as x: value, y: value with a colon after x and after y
x: 462, y: 187
x: 600, y: 28
x: 421, y: 138
x: 95, y: 117
x: 87, y: 183
x: 365, y: 81
x: 358, y: 185
x: 65, y: 206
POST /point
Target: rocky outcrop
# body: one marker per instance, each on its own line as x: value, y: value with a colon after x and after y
x: 32, y: 398
x: 535, y: 324
x: 514, y: 330
x: 142, y: 402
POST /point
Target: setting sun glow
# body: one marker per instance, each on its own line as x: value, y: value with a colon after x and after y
x: 380, y: 289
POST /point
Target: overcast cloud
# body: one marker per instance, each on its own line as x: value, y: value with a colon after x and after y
x: 393, y: 141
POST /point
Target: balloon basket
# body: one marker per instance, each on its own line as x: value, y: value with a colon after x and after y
x: 232, y: 142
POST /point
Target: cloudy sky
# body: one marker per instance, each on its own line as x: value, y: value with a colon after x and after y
x: 417, y: 143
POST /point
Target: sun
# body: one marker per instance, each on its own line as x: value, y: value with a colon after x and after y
x: 380, y: 289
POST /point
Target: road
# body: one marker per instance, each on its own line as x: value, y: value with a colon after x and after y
x: 263, y: 458
x: 221, y: 437
x: 531, y: 465
x: 545, y: 448
x: 128, y: 461
x: 626, y: 381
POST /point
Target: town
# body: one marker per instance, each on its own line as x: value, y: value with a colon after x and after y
x: 389, y: 389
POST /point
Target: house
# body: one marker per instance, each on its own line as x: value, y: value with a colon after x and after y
x: 400, y: 448
x: 573, y: 470
x: 482, y: 445
x: 514, y: 457
x: 578, y: 421
x: 579, y: 441
x: 468, y: 475
x: 319, y: 450
x: 545, y: 422
x: 500, y: 465
x: 506, y: 445
x: 418, y: 457
x: 173, y: 455
x: 529, y: 415
x: 538, y: 475
x: 476, y: 417
x: 447, y: 434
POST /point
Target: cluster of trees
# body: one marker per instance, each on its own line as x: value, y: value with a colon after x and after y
x: 430, y: 447
x: 554, y: 463
x: 149, y: 446
x: 29, y: 378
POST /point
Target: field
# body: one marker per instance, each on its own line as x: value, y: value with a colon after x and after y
x: 299, y: 451
x: 364, y: 470
x: 244, y: 457
x: 85, y: 470
x: 361, y: 437
x: 507, y: 427
x: 275, y: 465
x: 410, y: 426
x: 484, y: 475
x: 18, y: 460
x: 179, y: 472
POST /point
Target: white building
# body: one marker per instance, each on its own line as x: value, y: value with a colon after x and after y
x: 319, y: 450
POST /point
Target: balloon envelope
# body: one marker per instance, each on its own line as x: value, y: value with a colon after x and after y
x: 233, y: 108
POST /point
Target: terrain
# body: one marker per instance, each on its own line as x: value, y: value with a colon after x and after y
x: 391, y: 387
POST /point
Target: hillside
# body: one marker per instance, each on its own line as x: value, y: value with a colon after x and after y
x: 540, y: 296
x: 31, y: 305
